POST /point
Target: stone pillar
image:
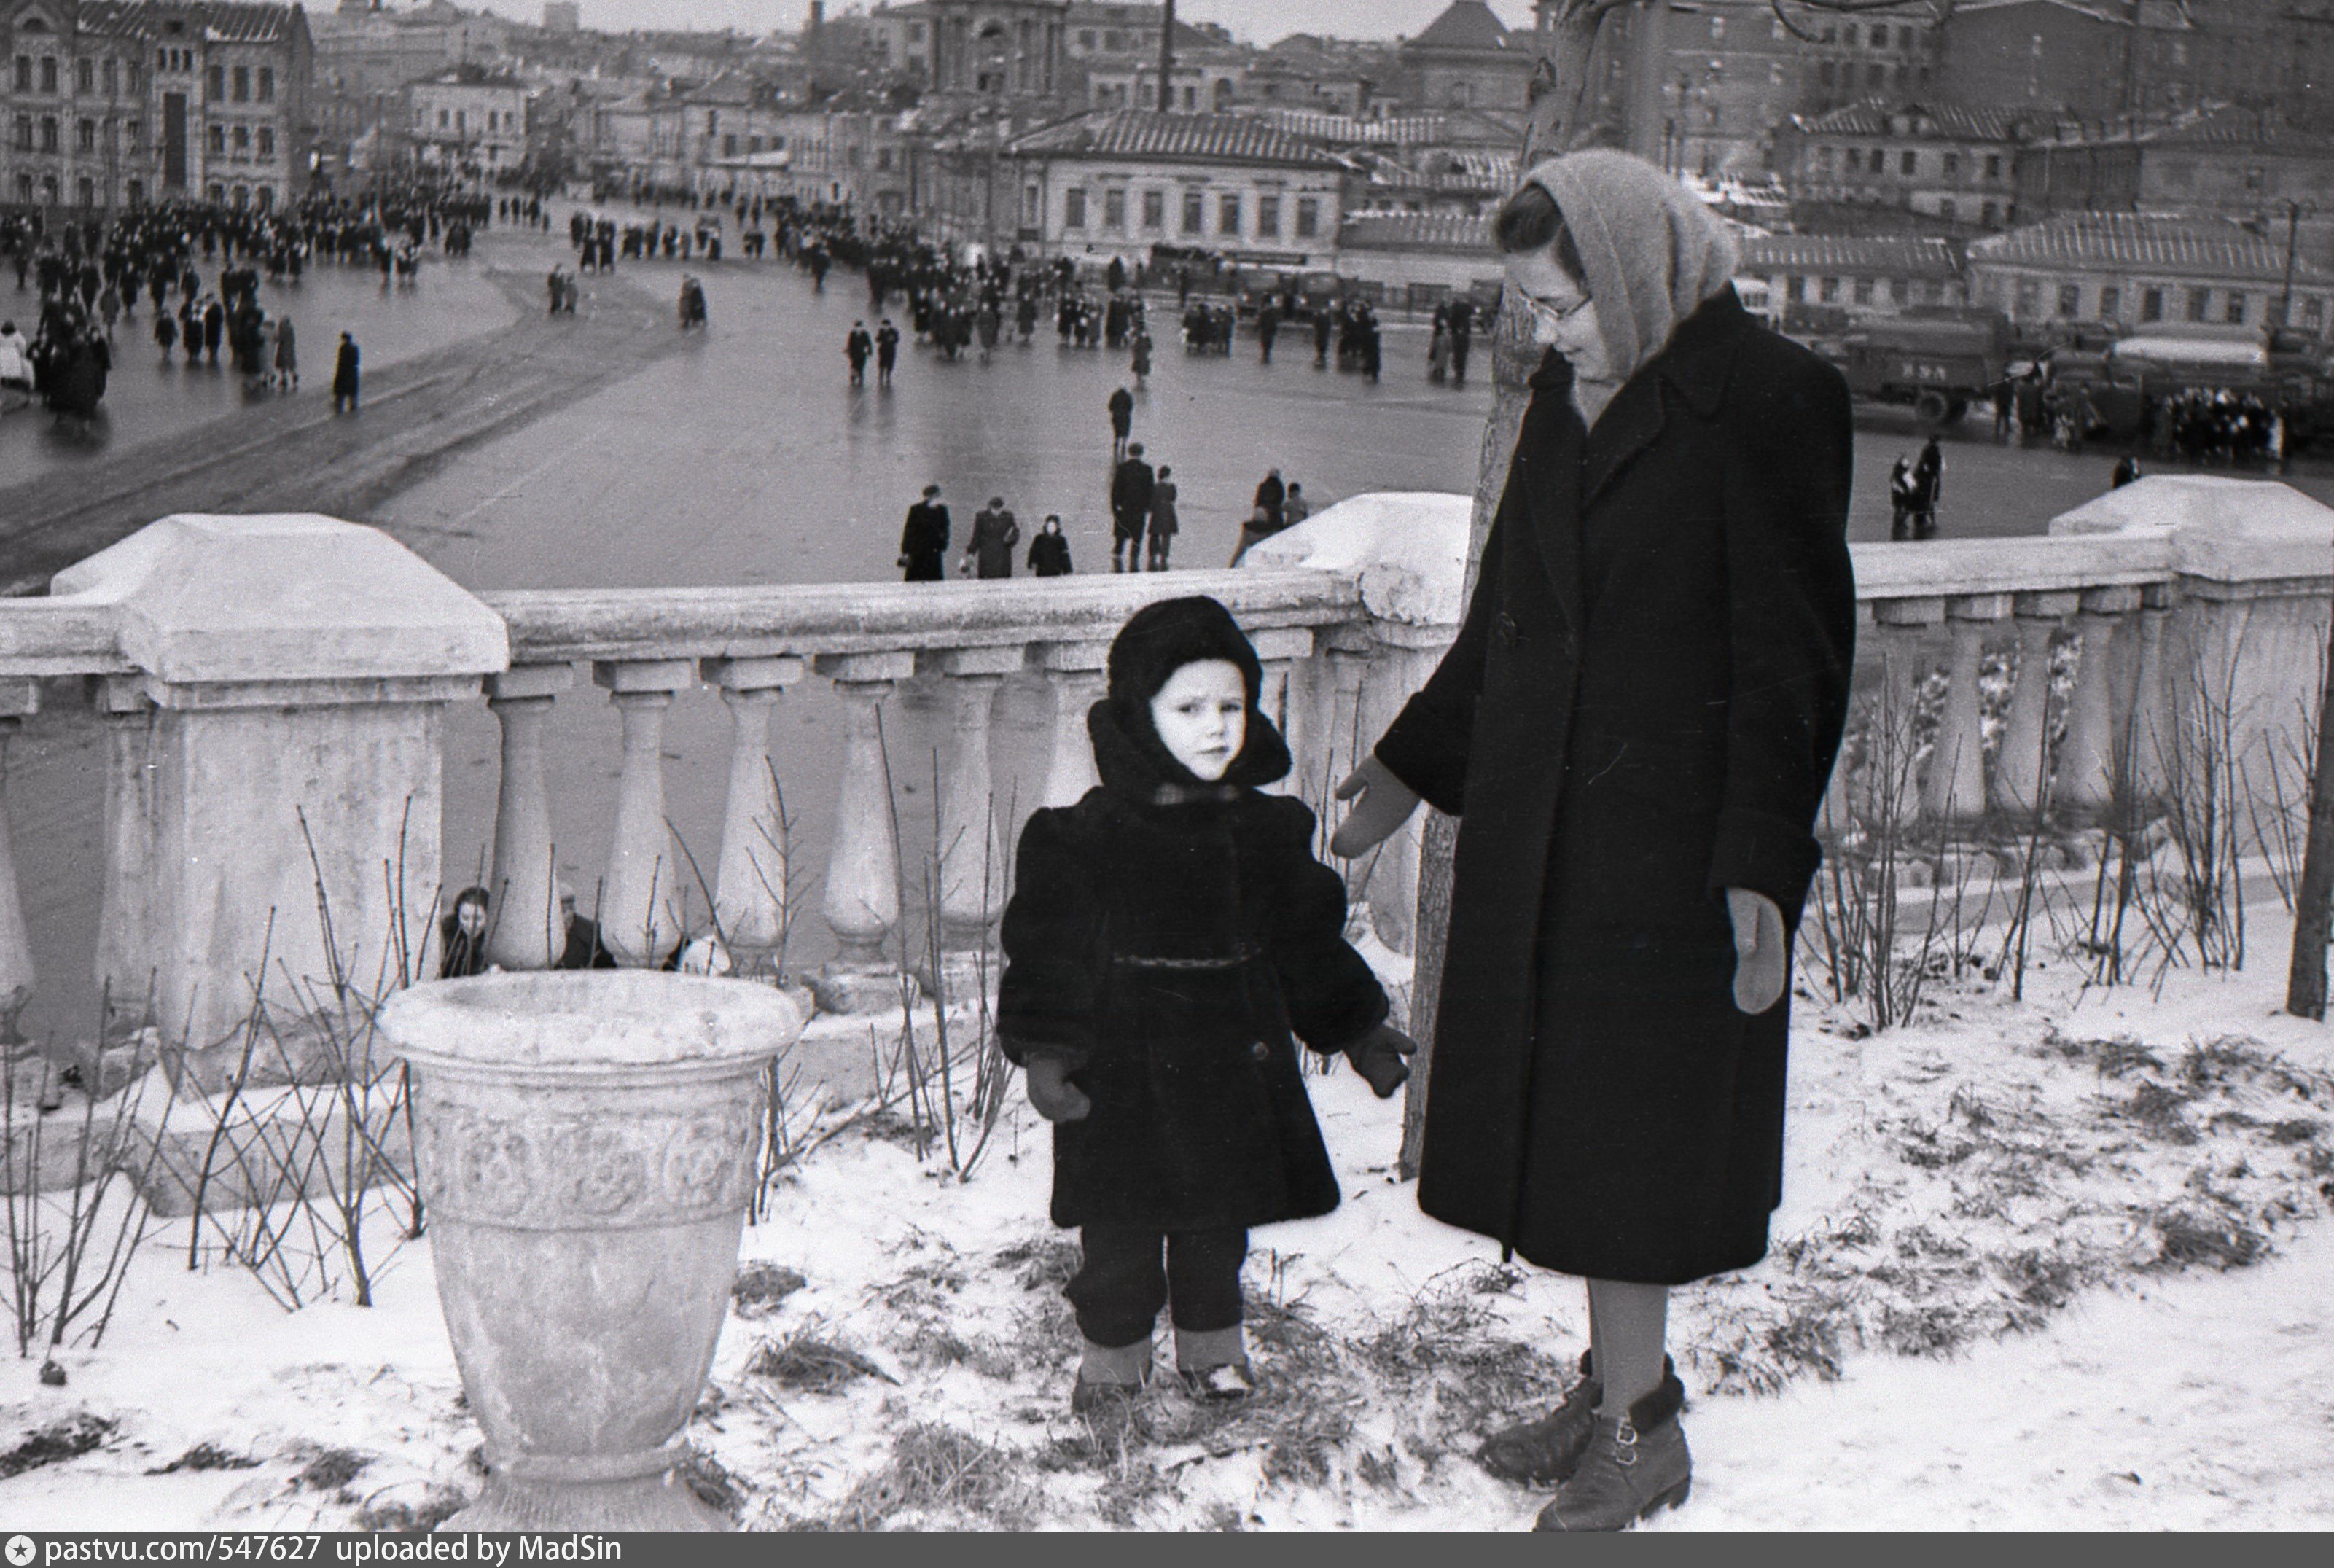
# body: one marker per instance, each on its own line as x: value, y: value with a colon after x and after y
x: 862, y: 904
x: 300, y: 667
x: 1954, y: 789
x: 524, y: 927
x: 1280, y: 648
x: 124, y: 969
x: 1890, y: 778
x: 1075, y: 672
x: 972, y: 855
x: 639, y: 914
x: 2150, y: 734
x: 2020, y: 776
x: 19, y: 700
x: 2087, y: 763
x: 750, y: 889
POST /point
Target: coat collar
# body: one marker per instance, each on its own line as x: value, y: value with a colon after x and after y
x: 1697, y: 361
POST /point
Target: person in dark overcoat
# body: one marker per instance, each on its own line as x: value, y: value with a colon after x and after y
x: 1049, y: 552
x: 995, y: 532
x: 347, y: 367
x: 1170, y: 939
x: 924, y: 540
x: 1635, y: 726
x: 1131, y: 483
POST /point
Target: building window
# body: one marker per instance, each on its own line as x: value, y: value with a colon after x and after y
x: 1900, y: 291
x: 2236, y: 313
x: 219, y: 82
x: 1795, y: 289
x: 2029, y: 298
x: 267, y: 84
x: 1827, y: 74
x: 1862, y: 292
x: 1827, y: 290
x: 218, y: 143
x: 24, y: 133
x: 2151, y: 305
x: 48, y: 73
x: 2071, y: 299
x: 1113, y: 209
x: 445, y: 119
x: 1994, y: 166
x: 24, y: 74
x: 242, y: 142
x: 1074, y: 209
x: 266, y: 142
x: 1855, y: 160
x: 1154, y: 209
x: 1308, y: 217
x: 136, y: 191
x: 883, y: 157
x: 86, y: 136
x: 1946, y: 210
x: 112, y: 77
x: 1268, y: 218
x: 2313, y: 312
x: 2110, y: 302
x: 88, y: 189
x: 1194, y: 212
x: 242, y: 84
x: 1951, y: 165
x: 1228, y: 214
x: 1910, y: 164
x: 49, y: 133
x: 2198, y: 300
x: 85, y: 75
x: 1032, y: 206
x: 728, y: 144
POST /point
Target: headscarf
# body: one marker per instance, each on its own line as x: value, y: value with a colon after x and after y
x: 1653, y: 253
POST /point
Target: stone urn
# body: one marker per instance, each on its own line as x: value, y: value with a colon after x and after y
x: 587, y: 1143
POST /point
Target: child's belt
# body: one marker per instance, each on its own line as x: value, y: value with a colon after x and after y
x: 1233, y: 960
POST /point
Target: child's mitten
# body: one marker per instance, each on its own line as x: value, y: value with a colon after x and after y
x: 1379, y: 1056
x: 1056, y: 1099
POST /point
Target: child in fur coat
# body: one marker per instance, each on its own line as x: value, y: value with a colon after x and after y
x: 1169, y: 938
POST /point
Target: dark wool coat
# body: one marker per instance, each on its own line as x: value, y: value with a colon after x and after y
x: 924, y: 541
x: 1167, y: 953
x: 1640, y: 711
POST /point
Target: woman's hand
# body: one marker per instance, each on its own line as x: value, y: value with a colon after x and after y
x: 1379, y: 1056
x: 1055, y: 1098
x: 1385, y: 803
x: 1759, y: 948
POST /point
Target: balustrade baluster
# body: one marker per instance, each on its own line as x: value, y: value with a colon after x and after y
x: 1891, y: 784
x: 1280, y: 648
x: 1954, y: 789
x: 972, y: 856
x: 125, y: 950
x: 862, y: 904
x: 749, y: 890
x: 2086, y: 765
x: 19, y: 700
x: 2150, y: 737
x: 2018, y: 772
x: 525, y: 928
x: 638, y: 917
x: 1075, y: 672
x: 1349, y: 653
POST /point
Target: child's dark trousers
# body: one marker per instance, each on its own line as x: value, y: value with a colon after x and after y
x: 1122, y: 1283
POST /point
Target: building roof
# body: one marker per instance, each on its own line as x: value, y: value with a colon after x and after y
x: 1468, y: 24
x: 246, y: 24
x: 1943, y: 122
x: 2229, y: 126
x: 221, y: 21
x: 2178, y: 246
x: 1456, y: 127
x: 1444, y: 231
x: 1891, y: 256
x: 1179, y: 138
x: 2167, y: 14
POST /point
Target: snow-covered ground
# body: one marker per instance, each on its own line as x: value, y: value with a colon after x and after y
x: 2056, y: 1264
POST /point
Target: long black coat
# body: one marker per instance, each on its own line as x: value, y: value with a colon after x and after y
x: 1641, y: 711
x: 1167, y: 953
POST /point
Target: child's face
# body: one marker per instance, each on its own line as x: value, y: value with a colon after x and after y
x: 1201, y: 716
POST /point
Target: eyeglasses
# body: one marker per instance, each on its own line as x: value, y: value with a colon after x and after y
x: 1549, y: 311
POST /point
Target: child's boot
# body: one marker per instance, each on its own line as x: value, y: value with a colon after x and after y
x: 1213, y: 1363
x: 1635, y: 1465
x: 1109, y: 1374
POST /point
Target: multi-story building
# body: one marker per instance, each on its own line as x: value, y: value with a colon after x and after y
x: 470, y: 120
x: 1324, y: 76
x: 2137, y: 59
x: 2236, y: 163
x: 107, y: 105
x: 1459, y: 161
x: 1467, y: 58
x: 1857, y: 276
x: 1954, y: 164
x: 1122, y: 183
x: 859, y: 158
x: 2143, y: 270
x: 1004, y: 51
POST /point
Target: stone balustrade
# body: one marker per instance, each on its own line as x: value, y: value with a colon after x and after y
x: 273, y: 693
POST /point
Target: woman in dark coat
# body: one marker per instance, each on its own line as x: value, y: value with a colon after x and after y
x: 1049, y: 552
x: 1636, y: 724
x: 462, y: 937
x: 347, y: 364
x: 1169, y: 938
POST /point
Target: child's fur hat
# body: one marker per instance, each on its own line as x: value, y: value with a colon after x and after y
x: 1161, y: 638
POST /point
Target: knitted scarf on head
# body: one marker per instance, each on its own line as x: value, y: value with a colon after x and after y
x: 1653, y: 253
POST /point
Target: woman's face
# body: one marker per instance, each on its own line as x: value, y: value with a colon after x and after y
x: 1563, y: 317
x: 1201, y: 716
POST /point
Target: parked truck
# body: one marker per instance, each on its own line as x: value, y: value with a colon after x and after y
x: 1938, y: 365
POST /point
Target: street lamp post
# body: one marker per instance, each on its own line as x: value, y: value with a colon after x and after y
x: 2292, y: 237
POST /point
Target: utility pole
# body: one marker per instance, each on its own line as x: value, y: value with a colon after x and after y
x: 1167, y: 57
x: 2293, y: 235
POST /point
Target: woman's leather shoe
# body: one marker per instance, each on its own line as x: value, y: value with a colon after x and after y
x: 1635, y: 1465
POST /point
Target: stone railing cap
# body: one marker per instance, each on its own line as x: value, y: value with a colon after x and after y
x: 2219, y: 529
x: 1407, y: 548
x: 294, y: 597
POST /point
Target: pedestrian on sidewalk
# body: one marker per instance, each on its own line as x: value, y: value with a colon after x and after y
x: 989, y: 552
x: 344, y: 375
x: 287, y: 354
x: 2127, y: 470
x: 1296, y: 509
x: 1130, y: 486
x: 887, y: 352
x: 1049, y: 552
x: 1163, y: 522
x: 858, y: 344
x: 1122, y: 421
x: 1900, y: 500
x: 924, y: 541
x: 1271, y: 494
x: 1928, y: 486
